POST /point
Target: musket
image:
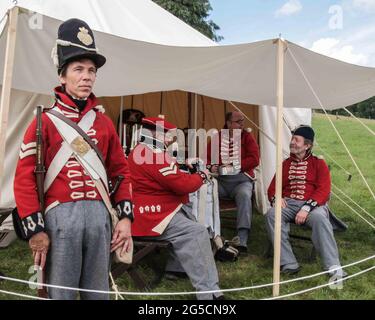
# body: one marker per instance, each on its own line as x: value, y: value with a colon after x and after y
x: 113, y: 188
x: 40, y: 172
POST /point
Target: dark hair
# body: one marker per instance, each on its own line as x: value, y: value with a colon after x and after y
x: 308, y: 141
x: 136, y: 114
x: 228, y: 117
x: 62, y: 71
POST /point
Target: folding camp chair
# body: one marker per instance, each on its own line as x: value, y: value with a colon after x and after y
x: 142, y: 249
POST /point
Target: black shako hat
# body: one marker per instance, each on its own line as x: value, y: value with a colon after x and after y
x: 304, y: 131
x: 75, y: 41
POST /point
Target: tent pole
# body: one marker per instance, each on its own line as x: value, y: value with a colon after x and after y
x: 279, y: 160
x: 7, y: 82
x: 120, y: 124
x: 195, y: 111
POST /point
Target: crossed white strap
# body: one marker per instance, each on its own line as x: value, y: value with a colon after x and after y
x: 90, y: 161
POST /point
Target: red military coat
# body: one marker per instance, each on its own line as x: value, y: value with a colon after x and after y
x: 249, y: 153
x: 72, y: 183
x: 307, y: 179
x: 159, y: 189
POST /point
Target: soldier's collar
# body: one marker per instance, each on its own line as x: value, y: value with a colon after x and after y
x: 308, y: 155
x: 67, y: 101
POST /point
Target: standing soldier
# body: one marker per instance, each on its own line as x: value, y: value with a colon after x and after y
x: 75, y: 234
x: 159, y: 191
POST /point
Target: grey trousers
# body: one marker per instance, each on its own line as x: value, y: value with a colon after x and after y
x: 240, y: 188
x: 191, y: 250
x: 322, y: 234
x: 78, y: 257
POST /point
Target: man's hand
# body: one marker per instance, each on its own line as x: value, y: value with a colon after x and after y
x: 283, y: 203
x: 122, y: 236
x: 39, y: 244
x: 301, y: 217
x: 189, y: 162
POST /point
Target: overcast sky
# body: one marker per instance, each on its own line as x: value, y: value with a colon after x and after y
x: 343, y: 29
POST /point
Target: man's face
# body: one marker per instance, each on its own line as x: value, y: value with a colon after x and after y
x: 79, y: 78
x: 237, y: 121
x: 297, y: 145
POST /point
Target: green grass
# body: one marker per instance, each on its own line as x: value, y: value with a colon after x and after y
x: 356, y: 243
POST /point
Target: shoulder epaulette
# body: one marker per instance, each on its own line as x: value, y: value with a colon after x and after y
x: 99, y: 108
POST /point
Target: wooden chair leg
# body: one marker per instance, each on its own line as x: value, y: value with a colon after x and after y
x: 158, y: 269
x: 312, y: 256
x: 132, y: 270
x: 138, y: 279
x: 268, y: 252
x: 120, y: 268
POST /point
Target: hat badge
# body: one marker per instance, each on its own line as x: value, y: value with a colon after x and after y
x: 84, y: 36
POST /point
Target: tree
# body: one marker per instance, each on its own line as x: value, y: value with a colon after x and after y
x: 364, y: 109
x: 194, y: 13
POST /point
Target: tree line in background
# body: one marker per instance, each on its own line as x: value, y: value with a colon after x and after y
x: 364, y: 109
x: 195, y: 14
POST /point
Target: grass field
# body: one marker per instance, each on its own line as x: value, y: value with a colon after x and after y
x: 356, y: 243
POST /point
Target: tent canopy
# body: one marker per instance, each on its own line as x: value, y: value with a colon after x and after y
x: 243, y: 73
x: 132, y: 19
x: 181, y: 59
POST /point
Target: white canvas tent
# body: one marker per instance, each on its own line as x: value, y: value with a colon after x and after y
x: 148, y: 50
x: 133, y: 67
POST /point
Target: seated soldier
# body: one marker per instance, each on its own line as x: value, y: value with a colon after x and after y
x: 306, y: 187
x: 202, y: 206
x: 159, y: 191
x: 235, y: 163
